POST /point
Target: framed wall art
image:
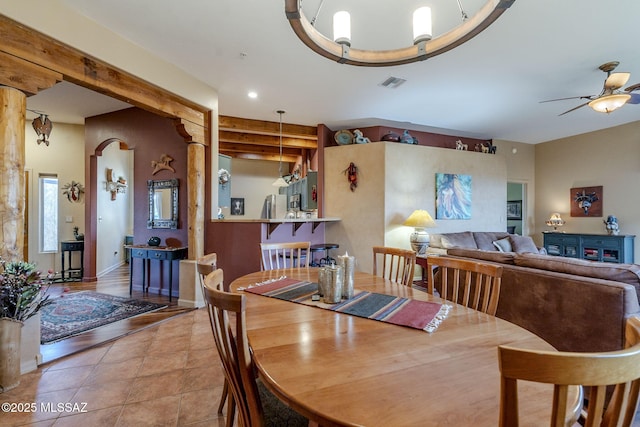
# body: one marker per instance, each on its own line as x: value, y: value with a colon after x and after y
x: 453, y: 196
x: 514, y: 209
x: 237, y: 206
x: 586, y: 201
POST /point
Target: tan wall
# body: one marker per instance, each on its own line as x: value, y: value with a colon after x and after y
x: 610, y: 158
x: 520, y: 160
x: 64, y: 157
x: 395, y: 179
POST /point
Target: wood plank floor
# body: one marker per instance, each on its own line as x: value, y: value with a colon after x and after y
x: 113, y: 283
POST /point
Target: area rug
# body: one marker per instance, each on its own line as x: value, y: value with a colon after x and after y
x: 77, y: 312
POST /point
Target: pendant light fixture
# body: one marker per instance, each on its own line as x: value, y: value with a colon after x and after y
x: 280, y: 182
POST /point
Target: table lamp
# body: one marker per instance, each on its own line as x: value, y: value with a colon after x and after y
x: 555, y: 221
x: 419, y: 220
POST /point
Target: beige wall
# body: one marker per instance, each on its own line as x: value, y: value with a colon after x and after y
x: 610, y: 158
x: 63, y: 157
x: 394, y: 180
x: 251, y: 180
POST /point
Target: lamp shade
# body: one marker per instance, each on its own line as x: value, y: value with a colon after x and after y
x: 420, y: 219
x: 280, y: 182
x: 609, y: 103
x: 555, y: 221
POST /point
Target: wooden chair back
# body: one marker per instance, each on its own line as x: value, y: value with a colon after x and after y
x: 467, y: 282
x: 233, y: 348
x: 564, y: 369
x: 284, y: 255
x: 205, y: 265
x: 394, y: 264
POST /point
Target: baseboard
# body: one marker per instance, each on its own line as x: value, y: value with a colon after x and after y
x: 110, y: 269
x: 189, y: 303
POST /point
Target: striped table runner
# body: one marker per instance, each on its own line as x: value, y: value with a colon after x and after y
x: 385, y: 308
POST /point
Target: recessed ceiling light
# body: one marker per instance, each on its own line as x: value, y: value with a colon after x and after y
x: 252, y: 95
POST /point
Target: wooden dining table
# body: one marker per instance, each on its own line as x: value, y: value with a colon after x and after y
x: 339, y: 369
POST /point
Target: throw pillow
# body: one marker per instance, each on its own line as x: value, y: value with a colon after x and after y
x: 503, y: 245
x: 522, y: 244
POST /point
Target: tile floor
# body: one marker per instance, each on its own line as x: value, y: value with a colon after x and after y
x: 165, y: 375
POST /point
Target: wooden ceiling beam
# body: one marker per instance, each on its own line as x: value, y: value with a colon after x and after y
x: 26, y: 76
x: 261, y: 127
x: 258, y: 156
x: 265, y: 140
x: 257, y: 149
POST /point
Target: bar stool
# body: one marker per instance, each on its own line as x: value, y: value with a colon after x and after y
x: 326, y: 247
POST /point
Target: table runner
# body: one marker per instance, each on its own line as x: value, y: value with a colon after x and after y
x: 385, y: 308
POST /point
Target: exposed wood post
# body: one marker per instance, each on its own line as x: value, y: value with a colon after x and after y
x: 13, y: 105
x: 195, y: 198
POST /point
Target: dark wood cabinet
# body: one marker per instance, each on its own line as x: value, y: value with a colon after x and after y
x: 594, y: 247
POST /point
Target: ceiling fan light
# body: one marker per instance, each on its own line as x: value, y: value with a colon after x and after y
x: 609, y: 103
x: 342, y: 27
x: 422, y: 30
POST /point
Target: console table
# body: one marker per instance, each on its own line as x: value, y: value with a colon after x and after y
x: 594, y: 247
x: 66, y: 249
x: 147, y: 253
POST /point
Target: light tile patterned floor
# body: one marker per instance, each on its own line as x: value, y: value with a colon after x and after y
x: 165, y: 375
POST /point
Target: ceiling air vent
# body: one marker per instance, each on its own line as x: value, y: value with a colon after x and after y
x: 392, y: 82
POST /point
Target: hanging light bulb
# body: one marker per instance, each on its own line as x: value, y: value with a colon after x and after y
x: 280, y: 182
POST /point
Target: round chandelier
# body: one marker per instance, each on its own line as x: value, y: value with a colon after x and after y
x: 424, y: 45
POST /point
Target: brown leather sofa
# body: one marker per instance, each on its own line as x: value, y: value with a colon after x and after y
x: 575, y: 305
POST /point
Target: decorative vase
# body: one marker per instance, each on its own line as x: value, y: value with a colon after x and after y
x: 10, y: 331
x: 154, y: 241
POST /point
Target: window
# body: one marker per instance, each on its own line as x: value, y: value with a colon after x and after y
x: 48, y: 224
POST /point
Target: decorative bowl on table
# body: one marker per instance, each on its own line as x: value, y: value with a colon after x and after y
x: 153, y: 241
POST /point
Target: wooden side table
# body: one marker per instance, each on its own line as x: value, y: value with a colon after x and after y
x: 147, y: 253
x: 66, y: 250
x: 421, y: 260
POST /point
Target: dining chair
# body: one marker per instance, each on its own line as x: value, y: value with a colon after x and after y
x: 563, y: 369
x: 256, y: 405
x: 205, y: 265
x: 463, y: 281
x: 394, y: 264
x: 284, y: 255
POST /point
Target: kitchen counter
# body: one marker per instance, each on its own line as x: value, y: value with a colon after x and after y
x: 274, y: 223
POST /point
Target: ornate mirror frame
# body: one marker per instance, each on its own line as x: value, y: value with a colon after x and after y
x: 154, y: 185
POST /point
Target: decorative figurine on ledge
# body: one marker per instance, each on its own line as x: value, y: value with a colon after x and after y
x: 359, y: 138
x: 406, y: 138
x: 611, y: 224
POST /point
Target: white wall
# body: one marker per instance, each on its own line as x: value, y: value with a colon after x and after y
x: 64, y: 157
x: 251, y: 180
x: 114, y: 216
x: 394, y: 180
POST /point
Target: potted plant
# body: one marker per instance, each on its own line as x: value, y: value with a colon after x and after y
x: 22, y: 295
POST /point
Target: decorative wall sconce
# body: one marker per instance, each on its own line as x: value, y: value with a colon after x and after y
x: 163, y: 163
x: 115, y: 187
x: 555, y: 221
x: 42, y: 125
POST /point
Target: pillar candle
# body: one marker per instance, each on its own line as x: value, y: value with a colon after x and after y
x: 348, y: 264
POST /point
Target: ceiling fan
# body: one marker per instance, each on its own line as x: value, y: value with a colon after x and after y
x: 611, y: 98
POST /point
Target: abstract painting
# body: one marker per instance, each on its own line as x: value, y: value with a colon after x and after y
x: 453, y: 196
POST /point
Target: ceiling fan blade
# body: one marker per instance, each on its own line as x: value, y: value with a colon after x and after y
x: 575, y: 108
x: 616, y: 80
x: 633, y: 87
x: 571, y: 97
x: 635, y: 98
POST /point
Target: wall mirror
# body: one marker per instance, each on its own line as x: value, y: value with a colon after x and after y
x: 163, y: 203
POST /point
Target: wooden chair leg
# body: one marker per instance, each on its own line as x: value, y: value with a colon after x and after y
x: 223, y: 398
x: 231, y: 410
